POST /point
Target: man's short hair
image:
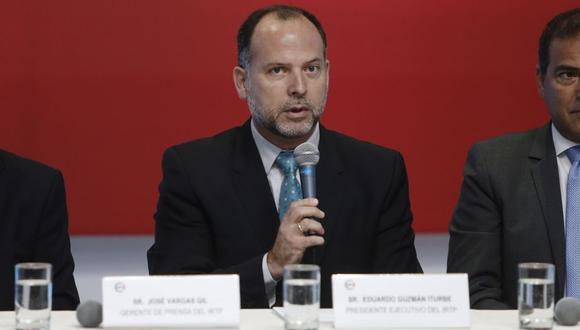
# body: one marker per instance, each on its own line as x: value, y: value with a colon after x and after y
x: 563, y: 26
x: 283, y: 12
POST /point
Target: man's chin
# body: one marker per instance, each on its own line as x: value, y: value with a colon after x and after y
x: 294, y: 131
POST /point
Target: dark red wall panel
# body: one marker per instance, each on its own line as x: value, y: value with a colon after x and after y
x: 99, y: 88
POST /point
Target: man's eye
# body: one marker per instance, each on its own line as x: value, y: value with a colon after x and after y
x: 312, y: 68
x: 277, y: 70
x: 567, y: 75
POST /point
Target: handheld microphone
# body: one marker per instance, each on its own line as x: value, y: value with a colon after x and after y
x: 567, y: 311
x: 307, y: 156
x: 90, y: 314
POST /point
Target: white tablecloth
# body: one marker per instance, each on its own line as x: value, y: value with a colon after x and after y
x: 265, y: 319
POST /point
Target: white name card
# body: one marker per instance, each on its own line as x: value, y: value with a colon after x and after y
x: 400, y: 301
x: 191, y: 301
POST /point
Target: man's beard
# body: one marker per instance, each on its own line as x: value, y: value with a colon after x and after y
x: 289, y: 129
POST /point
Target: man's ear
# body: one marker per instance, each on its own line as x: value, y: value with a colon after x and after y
x: 240, y: 75
x: 540, y: 81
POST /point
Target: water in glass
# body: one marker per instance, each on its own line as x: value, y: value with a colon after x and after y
x: 536, y: 303
x: 32, y: 304
x: 301, y: 304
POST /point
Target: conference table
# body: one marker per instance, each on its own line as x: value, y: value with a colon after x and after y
x: 265, y: 319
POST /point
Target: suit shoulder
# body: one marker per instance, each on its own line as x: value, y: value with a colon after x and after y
x: 360, y: 149
x: 24, y: 169
x: 512, y: 144
x: 206, y: 147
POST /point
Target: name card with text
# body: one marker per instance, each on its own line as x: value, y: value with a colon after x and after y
x: 172, y: 301
x: 400, y: 301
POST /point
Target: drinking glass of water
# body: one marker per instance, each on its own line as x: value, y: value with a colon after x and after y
x: 33, y: 295
x: 536, y: 295
x: 301, y: 296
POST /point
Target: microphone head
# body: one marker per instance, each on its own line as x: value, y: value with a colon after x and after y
x: 567, y: 311
x: 306, y: 154
x: 90, y: 314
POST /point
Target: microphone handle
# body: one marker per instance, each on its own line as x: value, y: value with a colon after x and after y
x: 308, y: 182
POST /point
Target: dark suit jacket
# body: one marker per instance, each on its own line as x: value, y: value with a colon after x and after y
x: 33, y: 227
x: 509, y: 211
x: 216, y: 213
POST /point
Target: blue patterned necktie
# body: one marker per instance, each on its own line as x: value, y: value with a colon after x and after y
x: 290, y: 189
x: 573, y: 224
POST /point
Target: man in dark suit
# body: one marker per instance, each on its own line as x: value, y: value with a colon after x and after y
x: 224, y: 204
x: 33, y: 227
x: 512, y: 207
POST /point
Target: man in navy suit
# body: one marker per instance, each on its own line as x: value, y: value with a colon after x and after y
x: 34, y: 227
x: 223, y: 202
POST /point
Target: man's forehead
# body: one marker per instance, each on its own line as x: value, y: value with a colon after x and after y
x: 565, y: 49
x: 273, y: 32
x: 565, y: 43
x: 271, y: 23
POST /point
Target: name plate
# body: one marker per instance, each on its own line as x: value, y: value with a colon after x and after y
x: 400, y: 301
x: 171, y: 301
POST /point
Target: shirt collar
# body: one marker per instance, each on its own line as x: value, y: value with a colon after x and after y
x: 561, y: 144
x: 269, y: 152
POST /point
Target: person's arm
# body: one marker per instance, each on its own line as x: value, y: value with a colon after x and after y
x: 475, y: 242
x: 394, y: 240
x: 52, y: 245
x: 183, y: 237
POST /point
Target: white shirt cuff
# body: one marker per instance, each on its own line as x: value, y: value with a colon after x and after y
x: 269, y: 282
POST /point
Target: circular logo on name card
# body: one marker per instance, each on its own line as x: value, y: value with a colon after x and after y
x: 349, y: 285
x: 119, y: 287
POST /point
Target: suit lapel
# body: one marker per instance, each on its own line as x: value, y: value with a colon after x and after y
x: 253, y: 189
x: 328, y: 182
x: 546, y: 180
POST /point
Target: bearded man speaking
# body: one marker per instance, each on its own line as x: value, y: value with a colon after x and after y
x: 232, y: 203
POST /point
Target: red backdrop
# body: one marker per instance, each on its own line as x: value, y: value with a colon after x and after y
x: 99, y: 88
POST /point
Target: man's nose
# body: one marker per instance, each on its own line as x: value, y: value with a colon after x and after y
x: 297, y: 86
